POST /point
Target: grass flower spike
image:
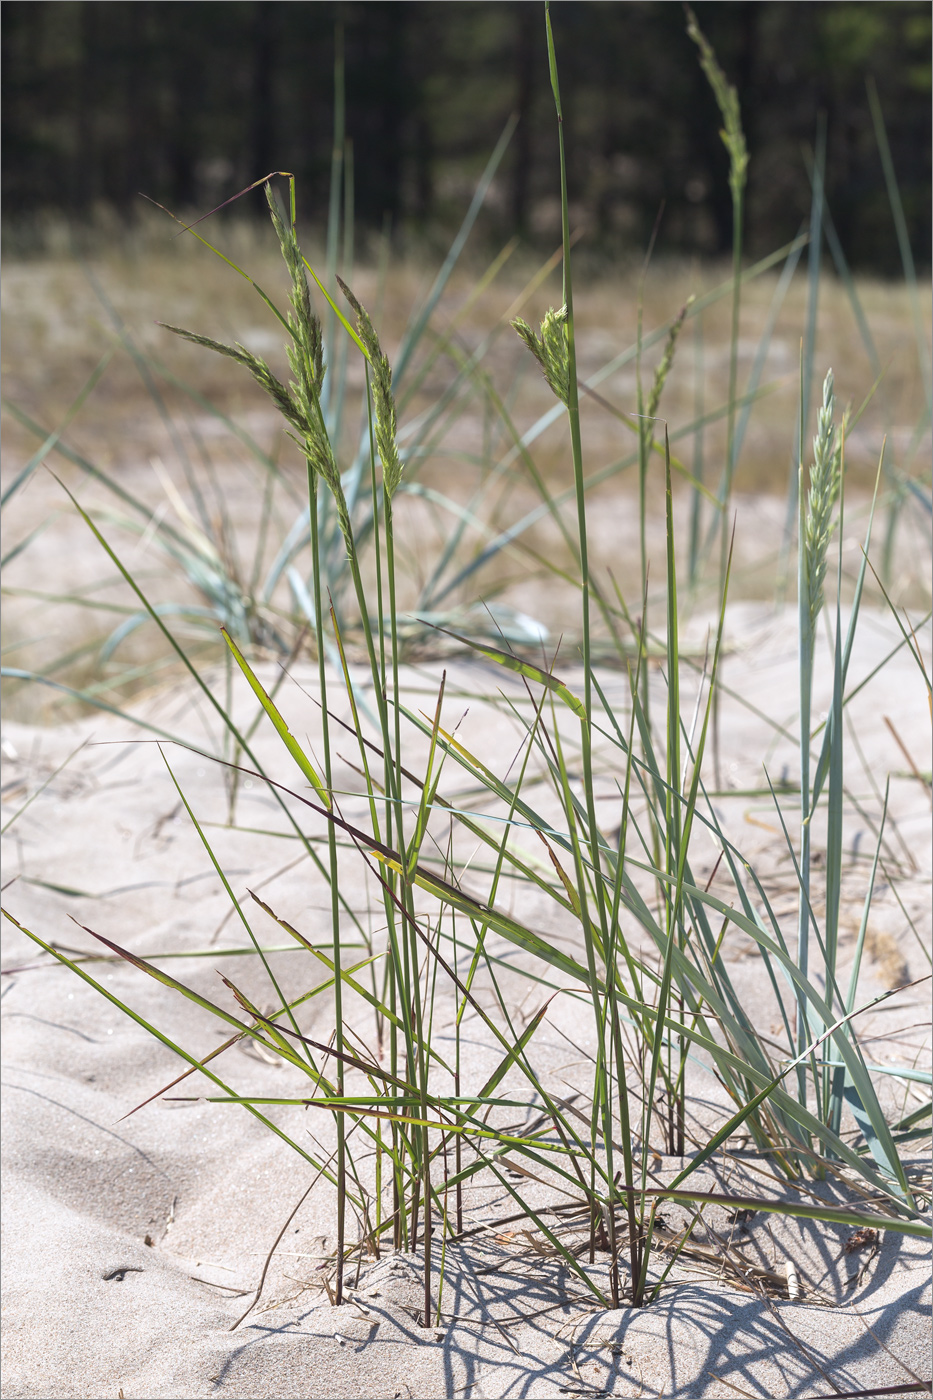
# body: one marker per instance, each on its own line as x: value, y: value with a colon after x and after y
x: 384, y: 410
x: 550, y: 349
x: 727, y: 99
x: 306, y: 358
x: 263, y: 375
x: 300, y: 403
x: 825, y: 476
x: 667, y: 359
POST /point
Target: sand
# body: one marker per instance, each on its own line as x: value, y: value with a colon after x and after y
x: 132, y: 1245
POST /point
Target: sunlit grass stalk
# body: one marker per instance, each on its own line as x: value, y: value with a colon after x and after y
x: 405, y: 955
x: 346, y: 257
x: 332, y: 859
x: 645, y: 426
x: 808, y: 354
x: 403, y: 975
x: 616, y: 944
x: 383, y: 437
x: 390, y: 782
x: 698, y: 463
x: 306, y: 360
x: 603, y: 1106
x: 835, y: 797
x: 733, y: 139
x: 427, y: 795
x: 815, y: 526
x: 333, y: 213
x: 672, y: 823
x: 302, y: 407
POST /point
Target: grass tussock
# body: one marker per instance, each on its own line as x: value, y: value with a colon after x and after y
x: 453, y: 847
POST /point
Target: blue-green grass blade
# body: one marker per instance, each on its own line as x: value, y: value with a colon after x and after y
x: 189, y: 611
x: 127, y: 497
x: 829, y: 1215
x: 536, y: 944
x: 903, y: 238
x: 908, y: 636
x: 848, y: 281
x: 761, y: 353
x: 596, y: 478
x: 54, y: 438
x: 236, y: 429
x: 413, y: 335
x: 787, y: 1104
x: 869, y: 1113
x: 22, y: 545
x: 915, y: 1076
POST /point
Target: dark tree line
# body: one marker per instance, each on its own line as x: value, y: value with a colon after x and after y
x: 190, y: 101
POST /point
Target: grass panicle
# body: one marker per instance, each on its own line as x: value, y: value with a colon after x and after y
x: 385, y: 414
x: 667, y: 360
x: 822, y: 495
x: 727, y: 99
x: 550, y: 349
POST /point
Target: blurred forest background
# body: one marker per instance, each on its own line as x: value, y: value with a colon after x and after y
x: 189, y: 102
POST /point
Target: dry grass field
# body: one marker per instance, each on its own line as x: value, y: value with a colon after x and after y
x: 164, y: 411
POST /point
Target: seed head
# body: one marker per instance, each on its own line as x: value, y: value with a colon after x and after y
x: 825, y: 478
x: 667, y: 359
x: 551, y: 349
x: 384, y: 411
x: 727, y: 100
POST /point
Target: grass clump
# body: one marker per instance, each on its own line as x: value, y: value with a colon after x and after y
x: 639, y: 952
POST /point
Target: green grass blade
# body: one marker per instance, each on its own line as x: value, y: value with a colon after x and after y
x: 521, y: 668
x: 281, y: 728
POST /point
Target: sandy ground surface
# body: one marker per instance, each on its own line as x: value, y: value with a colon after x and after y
x: 132, y: 1245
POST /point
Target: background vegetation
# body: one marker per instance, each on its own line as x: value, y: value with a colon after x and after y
x: 190, y: 102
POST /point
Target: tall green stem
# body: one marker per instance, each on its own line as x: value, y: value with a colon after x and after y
x: 738, y: 221
x: 603, y: 1093
x: 334, y: 897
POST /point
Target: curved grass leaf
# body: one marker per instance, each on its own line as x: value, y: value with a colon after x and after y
x: 281, y: 728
